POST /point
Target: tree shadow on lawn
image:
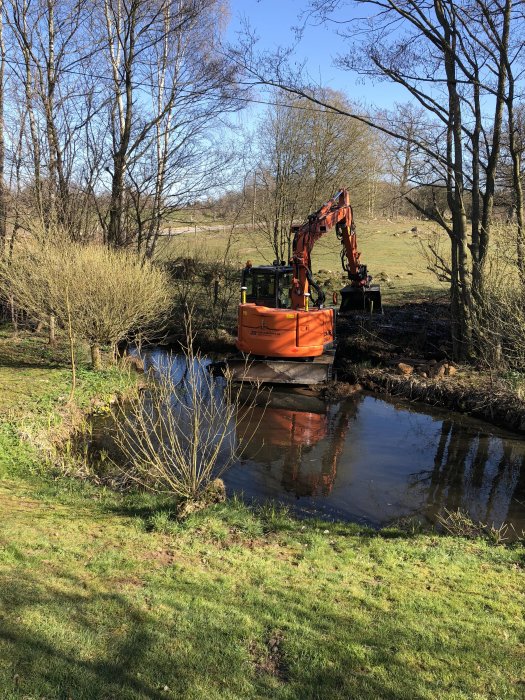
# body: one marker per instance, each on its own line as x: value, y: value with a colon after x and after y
x: 51, y: 655
x: 30, y: 357
x: 86, y: 643
x: 31, y: 351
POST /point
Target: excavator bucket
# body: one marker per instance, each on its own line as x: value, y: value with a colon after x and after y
x: 361, y: 299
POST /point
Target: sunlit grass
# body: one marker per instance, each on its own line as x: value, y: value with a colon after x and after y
x: 100, y: 600
x: 390, y: 249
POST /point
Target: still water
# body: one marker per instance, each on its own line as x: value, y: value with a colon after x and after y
x: 374, y: 461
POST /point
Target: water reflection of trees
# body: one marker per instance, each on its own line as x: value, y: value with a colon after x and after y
x: 477, y: 473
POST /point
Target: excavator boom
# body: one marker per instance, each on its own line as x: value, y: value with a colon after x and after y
x: 336, y: 213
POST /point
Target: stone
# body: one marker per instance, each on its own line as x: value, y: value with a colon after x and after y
x: 438, y: 370
x: 451, y: 370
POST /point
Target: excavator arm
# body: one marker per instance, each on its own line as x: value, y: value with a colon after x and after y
x: 336, y: 213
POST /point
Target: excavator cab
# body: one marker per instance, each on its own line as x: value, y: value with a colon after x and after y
x: 268, y: 285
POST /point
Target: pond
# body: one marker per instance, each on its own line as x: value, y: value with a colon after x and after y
x: 373, y: 461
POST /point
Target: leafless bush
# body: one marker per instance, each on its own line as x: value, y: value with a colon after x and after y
x: 498, y: 313
x: 99, y: 294
x: 207, y: 284
x: 182, y: 432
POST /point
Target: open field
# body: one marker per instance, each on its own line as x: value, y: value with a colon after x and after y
x: 107, y: 596
x: 393, y: 253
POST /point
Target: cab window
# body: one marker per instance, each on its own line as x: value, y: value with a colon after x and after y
x: 265, y: 286
x: 283, y: 292
x: 248, y: 283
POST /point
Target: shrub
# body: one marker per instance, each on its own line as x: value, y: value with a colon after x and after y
x: 100, y: 294
x: 180, y: 434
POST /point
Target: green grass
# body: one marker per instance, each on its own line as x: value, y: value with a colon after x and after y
x: 94, y: 605
x: 107, y: 596
x: 35, y: 379
x: 392, y: 252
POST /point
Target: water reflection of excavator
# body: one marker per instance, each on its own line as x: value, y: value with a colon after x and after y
x: 288, y: 434
x: 276, y: 320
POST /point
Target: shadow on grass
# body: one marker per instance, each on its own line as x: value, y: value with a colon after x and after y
x: 84, y: 644
x: 197, y: 640
x: 26, y: 363
x: 30, y: 353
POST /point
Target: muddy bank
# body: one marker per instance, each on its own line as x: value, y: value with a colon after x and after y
x: 491, y: 403
x: 420, y: 331
x: 406, y: 353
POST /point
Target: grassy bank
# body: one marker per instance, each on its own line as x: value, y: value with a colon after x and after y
x: 106, y: 596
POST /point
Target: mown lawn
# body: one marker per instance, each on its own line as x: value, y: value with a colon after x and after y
x: 107, y: 596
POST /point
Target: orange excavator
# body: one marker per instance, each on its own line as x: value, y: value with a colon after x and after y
x: 278, y: 317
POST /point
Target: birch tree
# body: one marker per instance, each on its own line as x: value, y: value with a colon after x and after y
x: 168, y: 86
x: 48, y: 38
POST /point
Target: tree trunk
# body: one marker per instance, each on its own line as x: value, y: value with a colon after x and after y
x: 115, y: 209
x: 71, y: 349
x: 96, y: 359
x: 52, y: 336
x: 14, y: 315
x: 3, y: 192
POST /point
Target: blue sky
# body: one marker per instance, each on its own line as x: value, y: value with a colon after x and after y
x: 273, y: 22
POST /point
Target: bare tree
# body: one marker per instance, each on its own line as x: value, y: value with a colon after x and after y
x: 161, y: 57
x: 516, y: 150
x: 48, y: 39
x: 403, y: 159
x: 305, y: 155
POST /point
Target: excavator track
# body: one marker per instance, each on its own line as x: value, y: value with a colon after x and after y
x: 276, y: 371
